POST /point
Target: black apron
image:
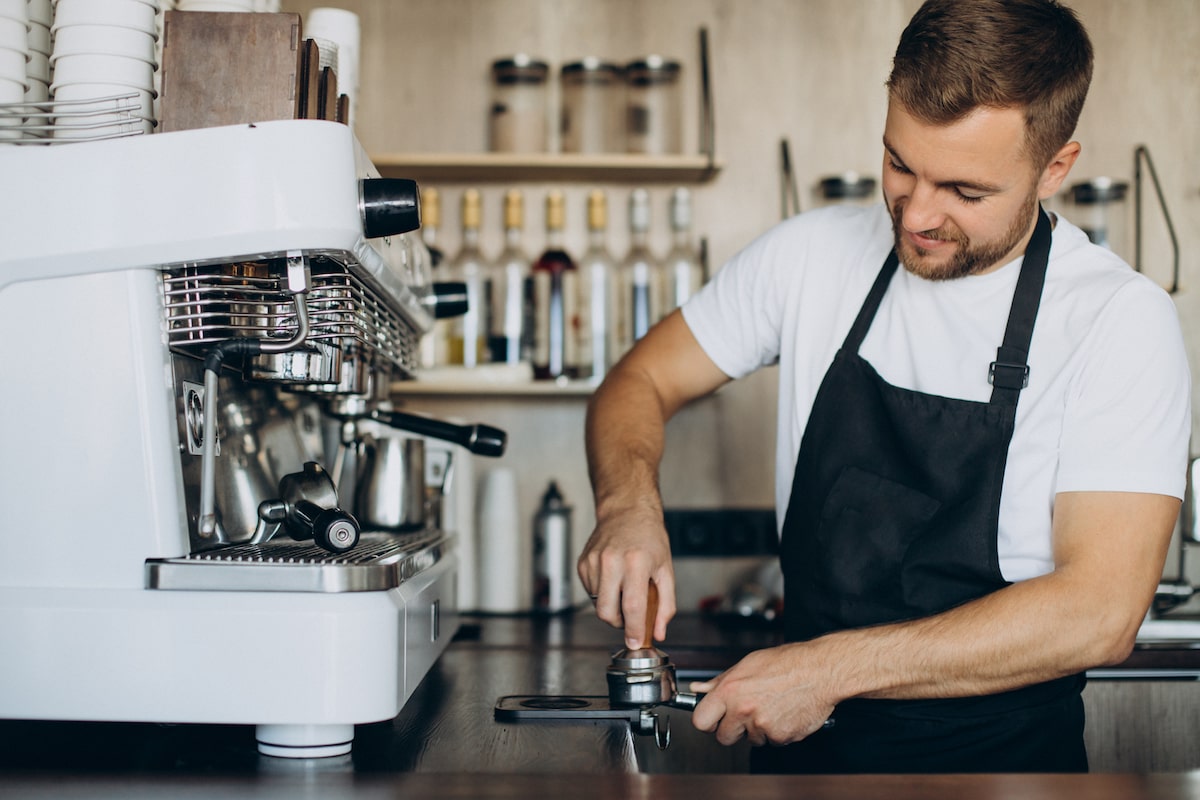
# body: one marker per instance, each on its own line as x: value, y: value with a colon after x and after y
x: 893, y: 516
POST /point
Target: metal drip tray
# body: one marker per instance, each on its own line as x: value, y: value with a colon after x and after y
x: 379, y: 561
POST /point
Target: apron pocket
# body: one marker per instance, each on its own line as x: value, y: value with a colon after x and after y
x: 867, y: 524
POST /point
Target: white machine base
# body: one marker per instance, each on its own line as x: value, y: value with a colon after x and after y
x: 303, y: 668
x: 304, y: 741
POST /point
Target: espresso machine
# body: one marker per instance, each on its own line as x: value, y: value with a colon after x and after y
x: 198, y: 332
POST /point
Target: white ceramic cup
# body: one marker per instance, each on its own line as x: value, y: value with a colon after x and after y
x: 12, y: 66
x: 41, y: 12
x: 15, y: 9
x: 39, y: 39
x: 38, y: 68
x: 11, y: 91
x: 122, y: 13
x: 14, y: 34
x: 87, y: 68
x: 104, y: 40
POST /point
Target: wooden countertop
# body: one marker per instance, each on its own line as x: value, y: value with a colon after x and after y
x: 446, y: 743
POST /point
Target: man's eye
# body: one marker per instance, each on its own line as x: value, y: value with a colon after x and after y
x: 967, y: 198
x: 898, y: 168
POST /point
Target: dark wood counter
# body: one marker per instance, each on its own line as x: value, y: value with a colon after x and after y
x: 446, y: 743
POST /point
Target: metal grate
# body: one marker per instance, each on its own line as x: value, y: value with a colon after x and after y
x: 211, y: 303
x: 379, y: 561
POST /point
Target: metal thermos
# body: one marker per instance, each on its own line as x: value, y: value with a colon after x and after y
x: 552, y: 553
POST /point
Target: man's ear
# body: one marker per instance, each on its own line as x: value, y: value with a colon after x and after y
x: 1058, y: 168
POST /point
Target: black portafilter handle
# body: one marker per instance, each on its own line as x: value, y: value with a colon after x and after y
x: 390, y: 206
x: 482, y: 440
x: 331, y: 528
x: 447, y: 299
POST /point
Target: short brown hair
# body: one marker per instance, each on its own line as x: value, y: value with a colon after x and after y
x: 959, y: 55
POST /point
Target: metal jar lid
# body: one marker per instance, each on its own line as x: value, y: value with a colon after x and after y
x: 591, y: 70
x: 651, y: 70
x: 520, y: 68
x: 847, y: 186
x: 1099, y: 190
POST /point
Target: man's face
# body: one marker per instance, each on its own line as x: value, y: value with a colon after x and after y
x: 963, y: 197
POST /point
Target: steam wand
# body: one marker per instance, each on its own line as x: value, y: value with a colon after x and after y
x: 298, y: 282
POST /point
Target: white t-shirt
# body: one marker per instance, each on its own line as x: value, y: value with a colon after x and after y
x: 1108, y: 404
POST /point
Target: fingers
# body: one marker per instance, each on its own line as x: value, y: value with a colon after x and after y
x: 619, y: 583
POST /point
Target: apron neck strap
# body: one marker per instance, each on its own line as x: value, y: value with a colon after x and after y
x: 1009, y: 373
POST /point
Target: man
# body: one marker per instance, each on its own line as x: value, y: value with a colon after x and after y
x: 980, y: 455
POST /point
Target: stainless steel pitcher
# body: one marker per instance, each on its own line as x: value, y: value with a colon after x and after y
x: 391, y: 483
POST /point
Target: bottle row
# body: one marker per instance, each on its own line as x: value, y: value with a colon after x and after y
x: 567, y: 317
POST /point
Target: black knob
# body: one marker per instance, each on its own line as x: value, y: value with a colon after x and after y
x: 390, y: 206
x: 448, y: 299
x: 335, y: 530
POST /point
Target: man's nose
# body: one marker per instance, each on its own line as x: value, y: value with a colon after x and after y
x: 923, y: 211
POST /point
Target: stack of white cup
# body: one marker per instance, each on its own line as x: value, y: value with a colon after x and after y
x: 103, y: 49
x: 341, y: 28
x: 14, y: 56
x: 41, y: 16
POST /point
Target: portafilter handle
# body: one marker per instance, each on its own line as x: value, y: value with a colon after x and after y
x: 482, y: 440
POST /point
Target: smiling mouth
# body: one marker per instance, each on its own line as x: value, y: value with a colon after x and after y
x: 926, y: 242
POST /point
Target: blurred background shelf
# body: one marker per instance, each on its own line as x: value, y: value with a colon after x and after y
x: 479, y: 388
x: 541, y: 167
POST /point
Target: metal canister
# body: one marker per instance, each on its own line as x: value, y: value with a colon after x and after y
x: 552, y: 553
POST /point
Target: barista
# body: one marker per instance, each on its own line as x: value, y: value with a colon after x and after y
x: 981, y: 443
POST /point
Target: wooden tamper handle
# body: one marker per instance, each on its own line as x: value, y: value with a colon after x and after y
x: 651, y: 615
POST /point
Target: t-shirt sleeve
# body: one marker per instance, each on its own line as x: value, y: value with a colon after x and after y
x: 1128, y: 411
x: 736, y: 317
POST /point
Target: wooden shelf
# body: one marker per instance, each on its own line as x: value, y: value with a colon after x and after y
x: 538, y: 167
x: 468, y: 388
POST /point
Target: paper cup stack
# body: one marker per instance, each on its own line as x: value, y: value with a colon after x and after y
x: 103, y: 50
x: 14, y: 57
x: 338, y: 27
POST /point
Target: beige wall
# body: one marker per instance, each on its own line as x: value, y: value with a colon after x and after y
x: 808, y: 70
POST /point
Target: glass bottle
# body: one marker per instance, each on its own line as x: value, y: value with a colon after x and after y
x: 598, y: 271
x: 555, y: 294
x: 639, y: 296
x: 684, y: 271
x: 468, y: 333
x: 435, y: 346
x: 508, y: 339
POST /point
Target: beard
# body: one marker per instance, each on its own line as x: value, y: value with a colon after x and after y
x: 969, y: 258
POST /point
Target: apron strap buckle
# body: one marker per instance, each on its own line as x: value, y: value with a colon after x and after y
x: 1008, y: 376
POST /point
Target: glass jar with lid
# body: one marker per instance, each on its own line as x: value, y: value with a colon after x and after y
x: 653, y: 117
x: 1097, y: 206
x: 591, y: 107
x: 848, y: 188
x: 518, y: 116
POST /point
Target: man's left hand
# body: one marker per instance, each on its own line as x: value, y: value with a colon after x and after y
x: 773, y: 696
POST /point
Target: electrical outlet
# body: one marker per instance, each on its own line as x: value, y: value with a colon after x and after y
x: 721, y: 532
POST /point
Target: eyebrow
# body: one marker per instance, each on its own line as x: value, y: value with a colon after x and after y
x: 983, y: 188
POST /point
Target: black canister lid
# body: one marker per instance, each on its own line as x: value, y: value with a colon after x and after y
x: 591, y: 69
x: 520, y: 68
x: 1099, y: 190
x: 847, y: 186
x: 651, y: 70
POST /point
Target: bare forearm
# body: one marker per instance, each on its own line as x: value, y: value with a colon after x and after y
x: 625, y: 435
x: 1029, y: 632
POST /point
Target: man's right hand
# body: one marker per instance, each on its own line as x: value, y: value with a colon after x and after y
x: 626, y: 429
x: 627, y: 551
